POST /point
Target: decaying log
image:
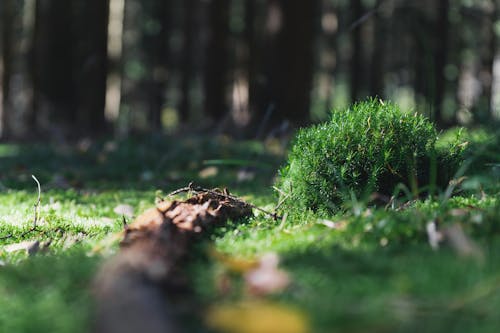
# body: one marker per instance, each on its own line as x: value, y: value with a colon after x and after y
x: 138, y: 290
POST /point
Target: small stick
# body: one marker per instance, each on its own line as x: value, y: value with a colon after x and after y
x: 37, y: 203
x: 36, y: 207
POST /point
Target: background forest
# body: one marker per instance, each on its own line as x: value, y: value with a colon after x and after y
x: 242, y: 67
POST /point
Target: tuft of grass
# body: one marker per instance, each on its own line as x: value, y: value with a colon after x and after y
x: 370, y: 147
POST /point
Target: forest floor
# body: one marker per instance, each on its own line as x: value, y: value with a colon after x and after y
x: 367, y: 269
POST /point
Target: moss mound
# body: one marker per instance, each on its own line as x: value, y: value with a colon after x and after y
x: 371, y: 147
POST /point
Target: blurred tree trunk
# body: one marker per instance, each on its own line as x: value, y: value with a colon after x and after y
x: 4, y: 55
x: 17, y: 84
x: 188, y: 25
x: 216, y: 67
x: 356, y: 57
x: 251, y: 34
x: 281, y: 91
x: 90, y: 64
x: 295, y: 61
x: 379, y: 45
x: 157, y: 57
x: 330, y: 57
x: 495, y: 67
x: 440, y: 60
x: 420, y: 30
x: 490, y: 53
x: 53, y: 67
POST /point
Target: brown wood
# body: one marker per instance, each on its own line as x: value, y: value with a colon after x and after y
x: 136, y: 290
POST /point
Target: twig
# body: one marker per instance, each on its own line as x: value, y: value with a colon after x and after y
x: 6, y: 237
x: 36, y: 207
x: 37, y: 203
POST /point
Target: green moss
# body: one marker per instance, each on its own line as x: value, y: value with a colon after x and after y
x: 370, y: 147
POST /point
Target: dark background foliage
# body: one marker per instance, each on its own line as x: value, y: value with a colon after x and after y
x: 242, y: 67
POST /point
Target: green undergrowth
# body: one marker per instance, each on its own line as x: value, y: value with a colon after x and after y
x: 368, y: 267
x: 372, y: 146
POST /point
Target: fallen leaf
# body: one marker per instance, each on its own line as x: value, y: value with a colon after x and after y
x: 267, y: 278
x: 338, y: 225
x: 236, y: 265
x: 256, y: 317
x: 125, y: 210
x: 434, y: 236
x: 461, y: 243
x: 208, y: 172
x: 457, y: 212
x: 245, y: 175
x: 28, y: 246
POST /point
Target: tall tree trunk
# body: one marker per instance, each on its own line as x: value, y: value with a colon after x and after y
x: 4, y: 55
x: 91, y: 64
x: 18, y: 88
x: 157, y: 55
x: 287, y: 56
x: 330, y: 56
x: 188, y: 24
x: 255, y: 68
x: 296, y: 60
x: 377, y: 61
x: 115, y: 48
x: 495, y: 69
x: 216, y: 67
x: 440, y: 49
x: 53, y: 67
x: 356, y: 57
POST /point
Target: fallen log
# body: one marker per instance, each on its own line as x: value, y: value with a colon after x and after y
x: 142, y: 287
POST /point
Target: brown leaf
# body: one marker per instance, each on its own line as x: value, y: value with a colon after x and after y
x: 267, y: 278
x: 461, y: 243
x: 208, y: 172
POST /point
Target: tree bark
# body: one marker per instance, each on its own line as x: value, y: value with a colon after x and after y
x: 91, y: 65
x: 296, y: 60
x: 4, y: 55
x: 216, y: 67
x: 157, y: 56
x: 356, y: 57
x: 53, y: 67
x: 18, y: 88
x: 285, y: 59
x: 186, y: 60
x: 377, y: 61
x: 441, y: 55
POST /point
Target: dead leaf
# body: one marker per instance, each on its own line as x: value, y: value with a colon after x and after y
x: 457, y: 212
x: 208, y: 172
x: 434, y: 236
x: 267, y: 278
x: 236, y: 265
x: 125, y: 210
x: 338, y: 225
x: 461, y: 243
x: 28, y: 246
x: 256, y: 317
x: 245, y: 175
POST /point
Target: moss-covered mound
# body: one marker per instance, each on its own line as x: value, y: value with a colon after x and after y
x: 371, y: 147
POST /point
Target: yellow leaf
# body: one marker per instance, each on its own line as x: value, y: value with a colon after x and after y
x: 236, y: 265
x: 256, y: 317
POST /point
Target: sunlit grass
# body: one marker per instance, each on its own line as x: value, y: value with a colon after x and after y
x: 366, y: 268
